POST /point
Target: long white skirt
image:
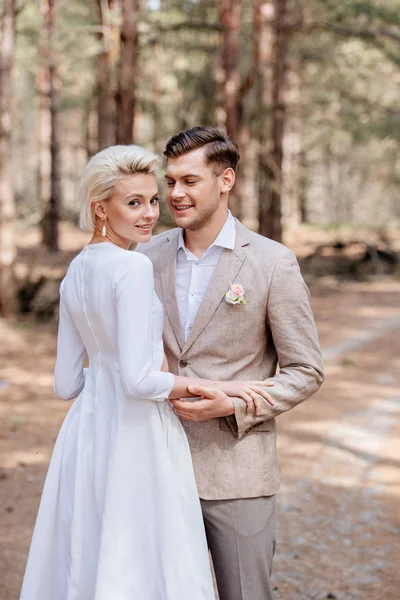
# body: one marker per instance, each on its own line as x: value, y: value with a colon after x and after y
x: 120, y: 517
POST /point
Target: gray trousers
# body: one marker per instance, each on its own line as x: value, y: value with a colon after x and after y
x: 241, y: 539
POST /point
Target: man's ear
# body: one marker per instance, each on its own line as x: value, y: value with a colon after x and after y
x: 98, y: 209
x: 228, y: 180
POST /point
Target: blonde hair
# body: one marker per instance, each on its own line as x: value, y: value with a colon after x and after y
x: 103, y: 172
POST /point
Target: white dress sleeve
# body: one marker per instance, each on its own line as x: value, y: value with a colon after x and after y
x: 134, y: 304
x: 69, y: 374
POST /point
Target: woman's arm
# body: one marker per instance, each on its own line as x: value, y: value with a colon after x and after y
x: 69, y: 374
x: 134, y: 288
x: 165, y: 366
x: 246, y: 390
x: 134, y: 304
x: 184, y: 387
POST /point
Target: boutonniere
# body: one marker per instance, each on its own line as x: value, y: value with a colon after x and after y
x: 235, y: 294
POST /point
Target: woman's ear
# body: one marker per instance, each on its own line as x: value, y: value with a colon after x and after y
x: 228, y: 180
x: 98, y: 210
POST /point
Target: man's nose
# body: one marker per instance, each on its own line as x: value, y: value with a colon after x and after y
x: 177, y: 192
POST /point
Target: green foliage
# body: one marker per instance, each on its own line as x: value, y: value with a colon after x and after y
x: 345, y: 59
x: 344, y: 79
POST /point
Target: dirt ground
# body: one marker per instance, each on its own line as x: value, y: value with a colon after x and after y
x: 338, y: 533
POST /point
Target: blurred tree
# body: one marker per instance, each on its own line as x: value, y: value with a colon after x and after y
x: 323, y: 91
x: 43, y: 118
x: 7, y: 206
x: 270, y: 190
x: 340, y: 149
x: 50, y: 222
x: 239, y: 79
x: 128, y: 70
x: 105, y: 100
x: 230, y: 14
x: 346, y: 59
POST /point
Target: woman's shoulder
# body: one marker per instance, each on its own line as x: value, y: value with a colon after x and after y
x: 131, y: 259
x: 133, y: 265
x: 73, y: 266
x: 117, y: 259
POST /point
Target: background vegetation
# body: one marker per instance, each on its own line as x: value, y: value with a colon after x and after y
x: 308, y: 89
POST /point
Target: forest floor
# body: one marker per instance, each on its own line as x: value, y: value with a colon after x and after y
x: 338, y: 531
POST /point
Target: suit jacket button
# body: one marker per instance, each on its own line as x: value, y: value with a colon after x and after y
x: 183, y: 363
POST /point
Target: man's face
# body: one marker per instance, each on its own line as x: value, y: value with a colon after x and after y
x: 193, y: 190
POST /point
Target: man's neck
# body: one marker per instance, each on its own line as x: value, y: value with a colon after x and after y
x: 199, y: 240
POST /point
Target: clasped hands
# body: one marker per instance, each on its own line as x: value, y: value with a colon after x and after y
x: 217, y: 401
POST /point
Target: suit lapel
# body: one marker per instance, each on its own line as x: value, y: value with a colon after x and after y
x: 225, y: 273
x: 168, y: 279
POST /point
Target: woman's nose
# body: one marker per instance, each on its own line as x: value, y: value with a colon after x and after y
x: 150, y: 212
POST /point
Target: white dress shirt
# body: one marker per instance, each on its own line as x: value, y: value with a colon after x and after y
x: 194, y: 274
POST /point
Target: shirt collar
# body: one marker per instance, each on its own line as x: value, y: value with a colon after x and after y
x: 225, y: 239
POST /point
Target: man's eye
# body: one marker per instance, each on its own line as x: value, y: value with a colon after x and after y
x: 190, y: 182
x: 170, y: 183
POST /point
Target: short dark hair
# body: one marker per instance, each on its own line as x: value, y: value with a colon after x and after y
x: 220, y: 152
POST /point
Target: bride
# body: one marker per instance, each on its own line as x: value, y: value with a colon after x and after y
x: 119, y: 517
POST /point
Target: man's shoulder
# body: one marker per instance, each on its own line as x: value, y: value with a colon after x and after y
x: 265, y: 247
x: 155, y: 245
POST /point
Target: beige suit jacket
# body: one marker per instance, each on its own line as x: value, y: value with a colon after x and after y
x: 235, y: 457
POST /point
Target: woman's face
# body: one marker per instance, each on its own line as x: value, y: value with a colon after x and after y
x: 133, y: 209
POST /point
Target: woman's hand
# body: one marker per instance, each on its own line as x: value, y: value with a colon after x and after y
x: 249, y: 391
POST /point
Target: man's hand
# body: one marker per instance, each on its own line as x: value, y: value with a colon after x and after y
x: 214, y: 404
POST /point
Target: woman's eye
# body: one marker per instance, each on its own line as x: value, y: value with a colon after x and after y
x: 133, y: 202
x: 155, y: 201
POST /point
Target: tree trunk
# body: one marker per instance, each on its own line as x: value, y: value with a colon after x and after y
x: 236, y: 90
x: 7, y: 204
x: 303, y: 187
x: 230, y: 12
x: 43, y: 135
x: 156, y: 95
x: 51, y: 217
x: 230, y: 15
x: 263, y: 104
x: 125, y: 99
x: 105, y: 105
x: 271, y: 165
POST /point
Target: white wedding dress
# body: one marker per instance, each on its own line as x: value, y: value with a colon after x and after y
x: 120, y: 517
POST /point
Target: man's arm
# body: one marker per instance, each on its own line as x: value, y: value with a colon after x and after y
x: 295, y: 338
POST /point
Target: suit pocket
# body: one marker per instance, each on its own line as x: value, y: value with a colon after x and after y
x: 229, y: 424
x: 262, y: 427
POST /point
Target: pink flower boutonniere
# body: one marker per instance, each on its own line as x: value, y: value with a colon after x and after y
x: 235, y: 294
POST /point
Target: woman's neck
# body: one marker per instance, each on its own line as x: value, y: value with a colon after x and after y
x: 110, y: 236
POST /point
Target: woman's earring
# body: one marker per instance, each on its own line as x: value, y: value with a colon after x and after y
x: 104, y: 230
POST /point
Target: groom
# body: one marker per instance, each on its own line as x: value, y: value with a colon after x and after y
x: 207, y: 335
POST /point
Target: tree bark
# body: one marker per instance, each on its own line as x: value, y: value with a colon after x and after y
x: 303, y: 187
x: 230, y: 12
x: 105, y: 104
x: 236, y: 90
x: 43, y: 131
x: 50, y: 222
x: 7, y: 203
x: 126, y: 97
x: 43, y: 121
x: 230, y: 16
x: 263, y: 89
x: 271, y: 165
